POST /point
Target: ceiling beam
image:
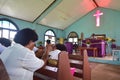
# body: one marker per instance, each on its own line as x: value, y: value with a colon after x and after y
x: 95, y: 3
x: 50, y: 8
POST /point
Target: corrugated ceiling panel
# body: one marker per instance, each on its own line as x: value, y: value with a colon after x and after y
x: 27, y: 10
x: 67, y: 12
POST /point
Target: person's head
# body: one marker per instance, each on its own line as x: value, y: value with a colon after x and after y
x: 61, y: 47
x: 5, y: 42
x: 26, y: 37
x: 48, y: 41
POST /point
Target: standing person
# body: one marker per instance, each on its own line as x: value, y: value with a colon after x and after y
x: 4, y: 43
x: 20, y: 60
x: 49, y: 46
x: 75, y: 47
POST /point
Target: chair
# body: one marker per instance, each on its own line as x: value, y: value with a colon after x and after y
x: 3, y: 73
x: 116, y: 53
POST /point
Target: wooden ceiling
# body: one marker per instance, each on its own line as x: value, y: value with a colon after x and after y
x: 54, y: 13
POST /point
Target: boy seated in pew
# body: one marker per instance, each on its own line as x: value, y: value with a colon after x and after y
x: 53, y: 56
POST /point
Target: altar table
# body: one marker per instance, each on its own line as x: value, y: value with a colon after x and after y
x: 95, y: 51
x: 99, y: 44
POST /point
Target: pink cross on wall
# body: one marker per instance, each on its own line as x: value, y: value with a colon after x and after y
x: 98, y: 14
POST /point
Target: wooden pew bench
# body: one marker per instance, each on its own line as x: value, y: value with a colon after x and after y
x: 63, y: 72
x: 80, y: 62
x: 3, y: 72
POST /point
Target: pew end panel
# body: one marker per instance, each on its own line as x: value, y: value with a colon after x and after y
x: 80, y: 62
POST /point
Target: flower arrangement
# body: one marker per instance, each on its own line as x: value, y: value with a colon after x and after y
x: 79, y: 39
x: 113, y: 40
x: 88, y: 41
x: 108, y: 39
x: 39, y: 43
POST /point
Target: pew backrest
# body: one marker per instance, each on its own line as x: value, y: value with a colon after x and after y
x: 63, y: 72
x: 3, y: 73
x: 81, y: 63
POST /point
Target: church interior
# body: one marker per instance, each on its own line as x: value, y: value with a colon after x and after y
x: 91, y: 25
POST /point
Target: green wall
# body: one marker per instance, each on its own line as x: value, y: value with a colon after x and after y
x: 40, y: 29
x: 110, y: 24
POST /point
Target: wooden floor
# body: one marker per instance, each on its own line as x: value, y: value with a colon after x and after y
x: 105, y: 71
x: 108, y: 57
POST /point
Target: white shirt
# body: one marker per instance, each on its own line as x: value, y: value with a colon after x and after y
x: 53, y: 55
x: 20, y: 62
x: 2, y: 48
x: 35, y: 49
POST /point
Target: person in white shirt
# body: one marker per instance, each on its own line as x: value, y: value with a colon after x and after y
x: 4, y: 43
x: 2, y: 48
x: 57, y: 49
x: 20, y: 60
x: 35, y: 49
x: 55, y: 53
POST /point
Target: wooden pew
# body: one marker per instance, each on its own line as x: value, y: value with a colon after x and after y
x: 63, y: 72
x: 80, y: 62
x: 3, y: 73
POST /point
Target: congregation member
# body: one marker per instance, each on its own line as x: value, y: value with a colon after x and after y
x: 49, y: 46
x: 54, y: 55
x: 4, y: 43
x: 20, y: 60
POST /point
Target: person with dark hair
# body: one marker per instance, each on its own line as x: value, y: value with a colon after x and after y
x: 49, y: 46
x: 48, y: 41
x: 57, y: 49
x: 20, y: 60
x: 54, y: 55
x: 4, y: 43
x: 61, y: 47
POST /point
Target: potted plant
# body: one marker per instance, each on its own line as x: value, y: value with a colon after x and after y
x: 39, y: 43
x: 113, y: 40
x: 88, y: 43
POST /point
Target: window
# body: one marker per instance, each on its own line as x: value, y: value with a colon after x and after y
x: 73, y: 37
x: 7, y: 29
x: 49, y: 34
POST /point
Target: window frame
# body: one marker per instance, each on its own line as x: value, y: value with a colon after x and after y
x: 49, y: 35
x: 73, y: 38
x: 8, y: 29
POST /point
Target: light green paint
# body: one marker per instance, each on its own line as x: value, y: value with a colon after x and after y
x: 110, y: 24
x: 38, y: 28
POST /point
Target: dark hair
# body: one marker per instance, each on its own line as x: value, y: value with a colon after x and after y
x: 26, y: 35
x: 48, y: 41
x: 5, y: 42
x: 61, y: 47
